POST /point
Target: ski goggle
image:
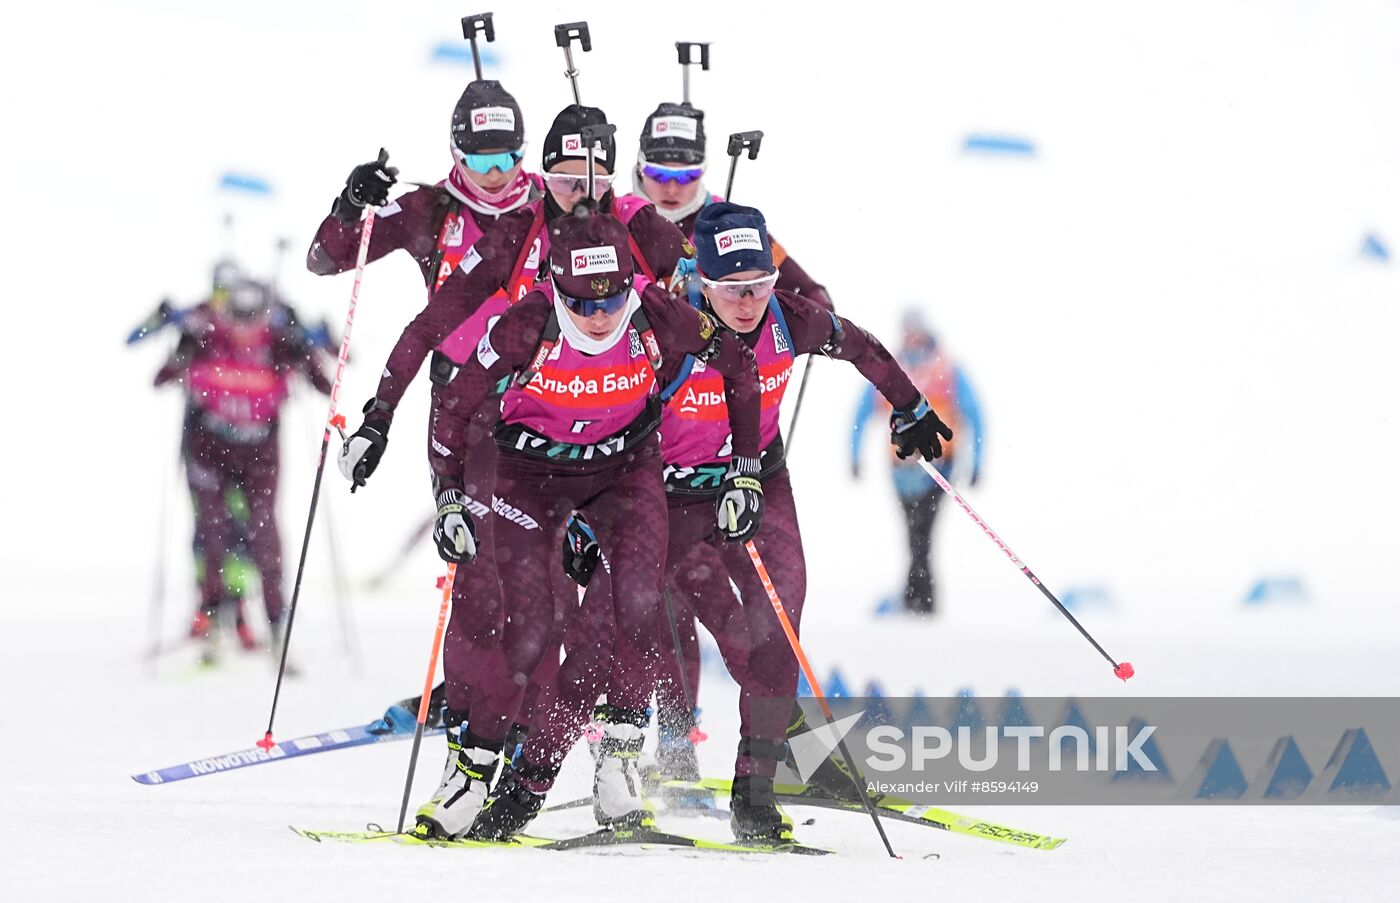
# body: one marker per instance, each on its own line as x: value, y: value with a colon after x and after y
x: 681, y: 175
x: 587, y: 307
x: 484, y: 163
x: 569, y: 183
x: 733, y: 290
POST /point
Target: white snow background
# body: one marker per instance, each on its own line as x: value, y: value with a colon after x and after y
x: 1185, y: 363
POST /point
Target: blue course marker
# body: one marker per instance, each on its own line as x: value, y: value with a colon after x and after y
x: 459, y: 53
x: 1217, y: 776
x: 1285, y: 774
x: 999, y: 145
x: 244, y: 183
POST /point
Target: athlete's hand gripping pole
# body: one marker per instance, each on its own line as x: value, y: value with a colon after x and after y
x: 445, y: 583
x: 806, y: 667
x: 1121, y: 670
x: 332, y: 419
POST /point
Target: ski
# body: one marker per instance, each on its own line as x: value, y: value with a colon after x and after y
x: 897, y: 809
x: 644, y: 837
x: 341, y: 738
x: 523, y: 841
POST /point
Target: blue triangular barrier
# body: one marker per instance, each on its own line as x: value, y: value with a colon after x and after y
x: 1217, y: 776
x: 966, y: 713
x: 1013, y: 711
x: 918, y: 713
x: 1074, y: 717
x: 803, y: 688
x: 1150, y: 752
x: 835, y: 686
x: 1285, y: 774
x: 1353, y: 769
x: 877, y: 710
x: 1374, y: 248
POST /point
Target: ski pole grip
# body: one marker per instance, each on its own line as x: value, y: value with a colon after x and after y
x: 479, y: 24
x: 566, y: 34
x: 741, y: 141
x: 686, y: 57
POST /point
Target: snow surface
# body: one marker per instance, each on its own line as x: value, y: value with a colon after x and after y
x: 1186, y: 368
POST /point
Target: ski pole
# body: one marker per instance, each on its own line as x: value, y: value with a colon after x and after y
x: 564, y: 36
x: 686, y: 57
x: 471, y: 27
x: 340, y: 585
x: 695, y: 735
x: 158, y: 586
x: 332, y: 419
x: 806, y: 667
x: 445, y: 583
x: 1121, y: 670
x: 738, y: 143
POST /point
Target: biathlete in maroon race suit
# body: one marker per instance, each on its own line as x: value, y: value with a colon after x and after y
x: 438, y: 226
x: 498, y: 270
x: 670, y: 172
x: 577, y: 432
x: 234, y: 358
x: 737, y: 273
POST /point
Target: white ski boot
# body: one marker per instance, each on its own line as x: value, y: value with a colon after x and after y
x: 617, y: 783
x: 465, y: 783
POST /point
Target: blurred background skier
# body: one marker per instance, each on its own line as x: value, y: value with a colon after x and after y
x: 946, y: 387
x: 234, y: 357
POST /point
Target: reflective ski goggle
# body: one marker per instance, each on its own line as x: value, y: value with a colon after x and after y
x: 681, y: 175
x: 484, y: 163
x: 733, y: 290
x: 569, y: 183
x: 587, y: 307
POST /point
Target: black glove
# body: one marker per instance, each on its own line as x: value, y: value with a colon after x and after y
x: 740, y: 507
x: 368, y: 185
x: 361, y: 451
x: 454, y: 532
x: 916, y: 430
x: 581, y: 552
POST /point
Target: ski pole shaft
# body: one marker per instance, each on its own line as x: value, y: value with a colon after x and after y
x: 797, y: 408
x: 1121, y: 670
x: 816, y: 686
x: 426, y: 701
x: 366, y: 228
x: 473, y: 25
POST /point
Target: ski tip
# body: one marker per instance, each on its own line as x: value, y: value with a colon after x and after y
x: 266, y: 742
x: 1123, y: 671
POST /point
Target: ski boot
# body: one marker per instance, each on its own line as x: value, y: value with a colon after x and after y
x: 617, y: 784
x: 402, y: 716
x: 202, y: 624
x: 471, y: 764
x: 512, y: 804
x: 754, y: 815
x: 276, y: 643
x: 515, y: 742
x: 677, y: 735
x: 246, y: 638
